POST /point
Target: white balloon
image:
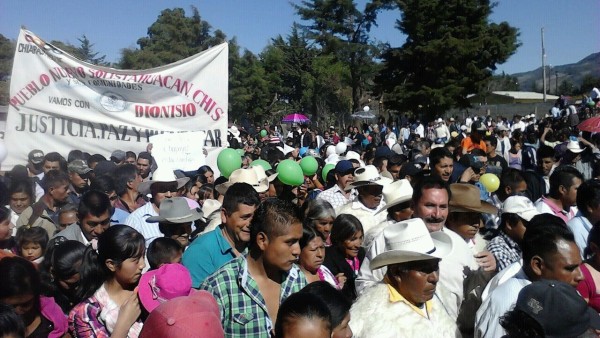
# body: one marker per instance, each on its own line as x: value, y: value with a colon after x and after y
x: 3, y: 152
x: 340, y: 148
x: 366, y: 109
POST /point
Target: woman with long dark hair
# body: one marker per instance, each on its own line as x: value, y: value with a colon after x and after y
x: 109, y: 278
x: 61, y: 272
x: 345, y: 255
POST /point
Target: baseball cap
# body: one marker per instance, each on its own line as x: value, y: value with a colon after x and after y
x: 79, y: 166
x: 344, y: 167
x: 501, y: 128
x: 118, y: 155
x: 36, y: 156
x: 558, y: 308
x: 194, y: 316
x: 383, y: 151
x: 521, y: 206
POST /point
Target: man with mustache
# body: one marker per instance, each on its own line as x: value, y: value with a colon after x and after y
x: 430, y: 202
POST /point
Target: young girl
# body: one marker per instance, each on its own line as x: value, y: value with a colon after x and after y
x: 345, y: 255
x: 108, y: 284
x: 31, y: 243
x: 60, y: 272
x: 515, y: 158
x: 7, y: 241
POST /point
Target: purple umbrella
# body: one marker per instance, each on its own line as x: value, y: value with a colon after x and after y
x: 295, y: 118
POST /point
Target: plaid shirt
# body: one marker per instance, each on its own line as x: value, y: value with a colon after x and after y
x: 335, y: 196
x: 505, y: 250
x: 243, y: 308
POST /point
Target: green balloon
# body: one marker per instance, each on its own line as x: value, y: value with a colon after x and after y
x: 290, y: 173
x: 261, y: 163
x: 263, y: 133
x: 326, y: 170
x: 241, y: 152
x: 228, y: 161
x: 309, y: 165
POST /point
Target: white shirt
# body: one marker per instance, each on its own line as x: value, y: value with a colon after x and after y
x: 498, y: 302
x: 451, y: 268
x: 137, y: 220
x: 420, y: 130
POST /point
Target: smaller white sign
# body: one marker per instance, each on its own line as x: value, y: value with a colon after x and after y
x: 179, y: 150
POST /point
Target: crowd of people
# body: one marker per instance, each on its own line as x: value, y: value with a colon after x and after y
x: 393, y: 235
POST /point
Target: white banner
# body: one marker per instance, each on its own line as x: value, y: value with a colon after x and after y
x: 59, y: 103
x: 179, y: 150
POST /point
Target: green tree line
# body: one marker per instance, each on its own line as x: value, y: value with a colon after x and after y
x: 329, y: 65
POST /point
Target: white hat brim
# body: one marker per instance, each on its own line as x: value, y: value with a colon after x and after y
x: 144, y: 187
x: 441, y: 241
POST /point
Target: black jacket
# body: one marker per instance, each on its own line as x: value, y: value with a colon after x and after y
x: 335, y: 261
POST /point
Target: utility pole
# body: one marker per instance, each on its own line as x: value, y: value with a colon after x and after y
x: 544, y: 64
x: 556, y: 78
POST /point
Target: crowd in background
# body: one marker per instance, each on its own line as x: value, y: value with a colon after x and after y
x: 477, y: 227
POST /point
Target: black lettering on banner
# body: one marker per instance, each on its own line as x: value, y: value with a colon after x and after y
x: 74, y: 127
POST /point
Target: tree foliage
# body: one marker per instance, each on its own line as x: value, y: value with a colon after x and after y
x: 7, y: 52
x: 451, y: 51
x: 172, y: 37
x: 87, y: 53
x: 342, y: 32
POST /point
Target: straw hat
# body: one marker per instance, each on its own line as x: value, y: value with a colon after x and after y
x: 465, y: 198
x: 368, y: 175
x: 162, y: 175
x: 410, y: 241
x: 244, y: 176
x: 398, y: 192
x: 573, y: 146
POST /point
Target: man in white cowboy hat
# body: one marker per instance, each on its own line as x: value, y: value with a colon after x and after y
x: 430, y: 202
x: 369, y: 185
x: 249, y: 176
x: 262, y: 177
x: 407, y: 301
x: 164, y: 184
x: 398, y: 197
x: 211, y: 250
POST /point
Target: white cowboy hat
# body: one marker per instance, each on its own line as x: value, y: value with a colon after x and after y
x: 573, y: 146
x: 234, y: 131
x: 285, y: 149
x: 410, y: 241
x: 209, y: 207
x: 244, y: 176
x: 368, y: 175
x: 398, y: 192
x: 175, y: 210
x: 262, y: 175
x: 162, y: 175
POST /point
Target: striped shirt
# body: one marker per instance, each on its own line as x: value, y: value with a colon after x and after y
x: 137, y: 220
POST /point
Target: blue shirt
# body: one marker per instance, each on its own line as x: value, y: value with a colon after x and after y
x: 206, y: 255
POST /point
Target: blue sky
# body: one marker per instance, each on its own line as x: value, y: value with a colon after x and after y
x: 571, y: 30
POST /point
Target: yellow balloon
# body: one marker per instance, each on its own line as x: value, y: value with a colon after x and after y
x: 491, y: 182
